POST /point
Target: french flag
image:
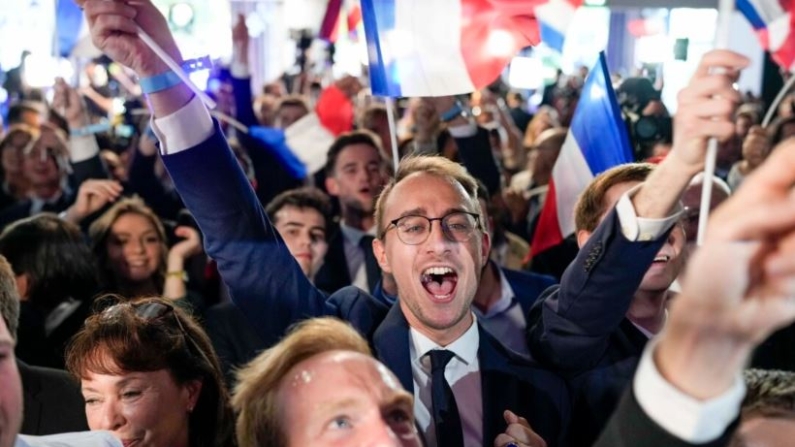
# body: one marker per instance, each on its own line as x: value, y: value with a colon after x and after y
x: 303, y: 146
x: 774, y: 23
x: 451, y: 47
x: 597, y: 141
x: 73, y: 38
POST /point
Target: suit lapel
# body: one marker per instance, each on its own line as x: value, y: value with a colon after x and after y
x: 32, y: 410
x: 498, y: 387
x: 391, y: 345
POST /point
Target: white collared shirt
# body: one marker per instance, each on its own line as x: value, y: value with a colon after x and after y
x: 76, y: 439
x: 505, y: 319
x: 463, y: 375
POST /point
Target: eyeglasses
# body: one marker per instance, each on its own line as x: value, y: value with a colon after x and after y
x: 457, y: 226
x: 153, y: 310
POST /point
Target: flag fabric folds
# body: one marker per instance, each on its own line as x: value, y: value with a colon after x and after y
x: 774, y: 25
x: 597, y: 140
x: 450, y: 47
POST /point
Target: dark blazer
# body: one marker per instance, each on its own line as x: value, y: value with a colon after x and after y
x: 255, y: 263
x: 580, y: 330
x: 527, y: 286
x: 52, y: 401
x: 333, y: 274
x: 629, y: 426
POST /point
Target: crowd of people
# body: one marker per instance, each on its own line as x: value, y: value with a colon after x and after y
x: 178, y: 285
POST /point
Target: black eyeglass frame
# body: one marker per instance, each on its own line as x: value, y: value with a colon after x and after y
x: 445, y: 229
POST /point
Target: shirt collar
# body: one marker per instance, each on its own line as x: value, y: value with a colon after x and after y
x: 354, y: 235
x: 465, y: 347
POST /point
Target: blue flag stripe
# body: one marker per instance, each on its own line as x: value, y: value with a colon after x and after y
x: 69, y: 20
x: 750, y: 13
x: 377, y: 17
x: 597, y: 124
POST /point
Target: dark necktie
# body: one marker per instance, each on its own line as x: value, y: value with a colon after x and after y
x: 370, y: 263
x: 445, y: 411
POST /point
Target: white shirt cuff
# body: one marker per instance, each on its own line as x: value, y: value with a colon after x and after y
x: 689, y: 419
x: 82, y: 148
x: 641, y: 229
x: 463, y: 131
x: 185, y: 128
x: 239, y: 70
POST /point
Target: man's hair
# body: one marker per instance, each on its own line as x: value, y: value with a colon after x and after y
x: 118, y: 340
x: 348, y: 139
x: 302, y: 198
x: 291, y: 101
x: 259, y: 421
x: 431, y: 165
x: 9, y: 297
x: 53, y: 255
x: 17, y: 111
x: 370, y: 114
x: 591, y: 203
x: 99, y: 232
x: 770, y: 393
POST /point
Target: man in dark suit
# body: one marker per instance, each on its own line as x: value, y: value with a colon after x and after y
x: 53, y: 403
x: 737, y: 291
x: 463, y: 379
x: 613, y: 297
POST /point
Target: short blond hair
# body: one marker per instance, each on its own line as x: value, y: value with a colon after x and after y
x: 433, y: 165
x: 259, y: 421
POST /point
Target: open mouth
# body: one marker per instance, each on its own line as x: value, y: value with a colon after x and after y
x: 440, y: 282
x: 663, y: 259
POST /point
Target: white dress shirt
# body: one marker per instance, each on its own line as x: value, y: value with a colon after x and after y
x: 666, y: 406
x: 463, y: 376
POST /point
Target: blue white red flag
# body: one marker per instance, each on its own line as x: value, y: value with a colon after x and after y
x: 597, y: 141
x: 774, y: 24
x: 450, y: 47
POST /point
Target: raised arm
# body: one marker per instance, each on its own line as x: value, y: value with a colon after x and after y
x: 263, y: 278
x: 571, y: 327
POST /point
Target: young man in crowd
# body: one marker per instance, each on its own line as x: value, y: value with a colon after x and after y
x: 613, y: 297
x: 355, y: 174
x: 301, y: 217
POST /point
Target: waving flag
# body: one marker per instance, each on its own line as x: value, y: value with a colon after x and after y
x: 774, y: 24
x: 597, y: 141
x: 450, y: 47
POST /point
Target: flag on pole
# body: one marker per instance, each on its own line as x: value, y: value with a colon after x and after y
x: 450, y: 47
x: 597, y: 141
x: 774, y: 25
x: 72, y: 37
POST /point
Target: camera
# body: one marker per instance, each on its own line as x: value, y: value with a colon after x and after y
x: 647, y: 120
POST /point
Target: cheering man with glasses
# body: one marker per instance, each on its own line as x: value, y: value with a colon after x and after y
x: 462, y: 379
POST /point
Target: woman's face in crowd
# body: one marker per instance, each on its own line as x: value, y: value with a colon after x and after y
x: 134, y: 248
x: 39, y: 164
x: 142, y: 409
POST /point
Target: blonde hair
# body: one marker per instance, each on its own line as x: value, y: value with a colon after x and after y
x: 432, y: 165
x: 255, y: 395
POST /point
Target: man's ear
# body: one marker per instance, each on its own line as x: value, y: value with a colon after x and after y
x: 379, y: 249
x: 485, y: 247
x: 22, y: 286
x: 332, y: 187
x: 582, y: 237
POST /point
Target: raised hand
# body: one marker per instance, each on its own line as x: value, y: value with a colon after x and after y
x: 739, y: 286
x: 189, y: 246
x: 706, y: 107
x: 114, y: 30
x: 427, y: 122
x: 92, y: 196
x: 68, y: 102
x: 519, y: 433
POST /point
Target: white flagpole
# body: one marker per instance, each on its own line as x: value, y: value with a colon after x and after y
x: 390, y: 113
x: 725, y: 10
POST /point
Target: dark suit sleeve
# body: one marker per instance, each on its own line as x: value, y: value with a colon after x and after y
x: 476, y: 155
x: 570, y: 326
x: 272, y: 177
x: 264, y: 280
x: 631, y: 427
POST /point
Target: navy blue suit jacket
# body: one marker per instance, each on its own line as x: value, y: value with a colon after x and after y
x: 580, y: 330
x: 270, y: 288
